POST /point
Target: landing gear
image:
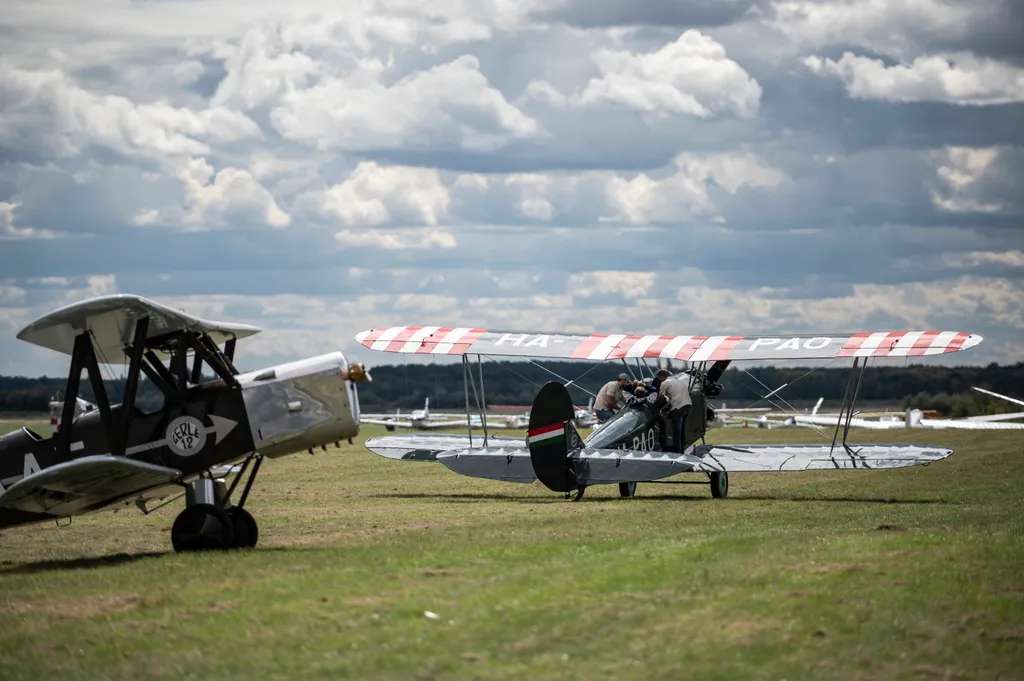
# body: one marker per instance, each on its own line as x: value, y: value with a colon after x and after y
x: 246, y: 530
x: 210, y: 522
x: 627, y: 489
x: 719, y: 484
x: 202, y: 527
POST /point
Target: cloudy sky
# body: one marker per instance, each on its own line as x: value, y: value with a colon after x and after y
x: 690, y: 166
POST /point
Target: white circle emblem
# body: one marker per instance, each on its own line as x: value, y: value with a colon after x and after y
x: 186, y: 435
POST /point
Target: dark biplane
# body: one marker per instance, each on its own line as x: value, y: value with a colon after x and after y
x: 122, y: 454
x: 633, y: 446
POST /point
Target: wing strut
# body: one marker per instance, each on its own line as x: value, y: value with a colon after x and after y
x: 132, y: 384
x: 849, y: 401
x: 467, y: 377
x: 483, y: 397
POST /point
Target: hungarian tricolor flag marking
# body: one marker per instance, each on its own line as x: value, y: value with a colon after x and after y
x: 547, y: 435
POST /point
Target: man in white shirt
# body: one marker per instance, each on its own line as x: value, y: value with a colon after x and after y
x: 608, y: 398
x: 675, y: 391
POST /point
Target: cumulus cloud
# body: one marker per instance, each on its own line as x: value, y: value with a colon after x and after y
x: 211, y: 200
x: 374, y: 194
x: 956, y: 79
x: 46, y: 113
x: 684, y: 193
x: 978, y: 180
x: 8, y: 230
x: 897, y: 28
x: 448, y: 104
x: 691, y: 76
x: 397, y: 239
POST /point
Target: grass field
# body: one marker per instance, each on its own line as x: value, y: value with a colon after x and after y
x: 907, y: 574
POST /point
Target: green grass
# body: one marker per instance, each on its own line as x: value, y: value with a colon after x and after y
x: 905, y: 574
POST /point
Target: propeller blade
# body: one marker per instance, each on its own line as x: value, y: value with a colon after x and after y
x: 717, y: 369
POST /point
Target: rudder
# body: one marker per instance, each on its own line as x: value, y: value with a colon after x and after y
x: 552, y: 436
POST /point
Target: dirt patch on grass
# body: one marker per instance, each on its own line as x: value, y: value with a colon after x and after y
x: 662, y: 595
x: 928, y: 671
x: 1002, y: 635
x: 891, y: 527
x: 90, y: 606
x: 382, y: 598
x: 437, y: 573
x: 825, y: 568
x: 746, y: 631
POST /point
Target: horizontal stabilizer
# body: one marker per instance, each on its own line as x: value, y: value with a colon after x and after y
x: 508, y: 463
x: 84, y: 484
x: 426, y: 447
x: 111, y: 323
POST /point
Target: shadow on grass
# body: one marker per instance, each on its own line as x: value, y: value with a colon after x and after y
x: 80, y: 563
x: 477, y: 497
x: 116, y: 559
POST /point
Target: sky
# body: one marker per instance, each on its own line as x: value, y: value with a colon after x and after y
x: 695, y: 167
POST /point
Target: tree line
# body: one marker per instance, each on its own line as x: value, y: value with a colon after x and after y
x: 944, y: 389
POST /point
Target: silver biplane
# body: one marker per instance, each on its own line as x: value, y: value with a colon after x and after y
x: 634, y: 446
x: 122, y: 454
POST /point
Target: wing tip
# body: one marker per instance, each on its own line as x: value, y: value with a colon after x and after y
x: 972, y: 340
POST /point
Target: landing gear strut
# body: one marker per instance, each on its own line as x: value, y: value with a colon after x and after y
x: 210, y: 522
x: 627, y: 489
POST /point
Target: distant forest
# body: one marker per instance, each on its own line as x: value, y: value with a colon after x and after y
x: 404, y: 387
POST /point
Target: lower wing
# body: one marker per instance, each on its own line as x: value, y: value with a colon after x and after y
x: 84, y: 484
x: 607, y: 466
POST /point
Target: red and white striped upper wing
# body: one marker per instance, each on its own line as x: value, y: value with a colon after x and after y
x: 446, y: 340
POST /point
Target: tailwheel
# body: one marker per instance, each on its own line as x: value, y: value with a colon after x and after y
x: 719, y: 484
x: 202, y: 527
x: 627, y: 489
x: 246, y: 532
x: 579, y: 492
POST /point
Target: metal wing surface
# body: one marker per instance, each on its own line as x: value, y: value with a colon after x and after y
x: 429, y: 425
x: 111, y: 322
x: 442, y: 340
x: 85, y: 484
x: 607, y: 466
x: 420, y: 447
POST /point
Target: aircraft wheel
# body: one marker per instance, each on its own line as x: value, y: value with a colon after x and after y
x: 202, y: 527
x: 246, y: 530
x: 719, y: 484
x: 627, y: 489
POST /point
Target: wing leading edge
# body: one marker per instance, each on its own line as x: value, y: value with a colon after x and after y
x: 441, y: 340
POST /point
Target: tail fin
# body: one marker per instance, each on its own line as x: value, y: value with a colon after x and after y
x: 552, y: 437
x: 817, y: 405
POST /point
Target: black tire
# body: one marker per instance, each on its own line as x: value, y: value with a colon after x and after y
x: 719, y: 484
x: 247, y: 532
x: 627, y: 489
x: 202, y: 527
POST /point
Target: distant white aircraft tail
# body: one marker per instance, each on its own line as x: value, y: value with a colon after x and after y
x: 817, y: 405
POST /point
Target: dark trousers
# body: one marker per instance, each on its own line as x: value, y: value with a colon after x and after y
x: 677, y: 419
x: 602, y: 415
